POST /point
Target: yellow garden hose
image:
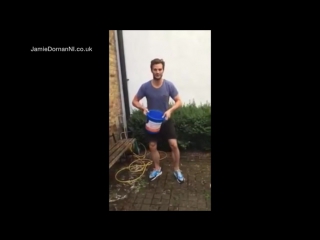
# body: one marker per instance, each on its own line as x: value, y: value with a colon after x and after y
x: 140, y: 164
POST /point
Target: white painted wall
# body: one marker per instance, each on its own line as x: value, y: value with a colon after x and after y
x: 187, y: 55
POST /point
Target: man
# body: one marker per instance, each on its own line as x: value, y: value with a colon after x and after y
x: 157, y: 92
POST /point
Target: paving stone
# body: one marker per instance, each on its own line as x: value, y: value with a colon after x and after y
x: 149, y: 195
x: 147, y: 201
x: 159, y: 190
x: 173, y: 208
x: 139, y: 200
x: 154, y: 207
x: 156, y: 201
x: 157, y: 196
x: 136, y: 207
x: 165, y: 201
x: 193, y: 204
x: 166, y: 196
x: 164, y: 207
x: 145, y: 207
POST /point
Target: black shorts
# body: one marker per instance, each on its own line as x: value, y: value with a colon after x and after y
x: 167, y: 131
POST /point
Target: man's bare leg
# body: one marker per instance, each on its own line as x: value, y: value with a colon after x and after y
x: 175, y: 153
x: 155, y: 156
x: 176, y: 160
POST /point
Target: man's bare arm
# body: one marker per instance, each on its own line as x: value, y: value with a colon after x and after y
x: 177, y: 104
x: 136, y: 103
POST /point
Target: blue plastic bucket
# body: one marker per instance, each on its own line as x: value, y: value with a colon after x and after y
x: 154, y: 121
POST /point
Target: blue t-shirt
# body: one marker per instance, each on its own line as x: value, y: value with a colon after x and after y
x: 158, y: 98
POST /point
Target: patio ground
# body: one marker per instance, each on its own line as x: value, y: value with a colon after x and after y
x: 164, y: 193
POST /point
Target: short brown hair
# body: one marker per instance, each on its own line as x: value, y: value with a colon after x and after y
x: 157, y: 61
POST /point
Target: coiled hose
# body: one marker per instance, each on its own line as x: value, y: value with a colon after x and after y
x: 140, y: 164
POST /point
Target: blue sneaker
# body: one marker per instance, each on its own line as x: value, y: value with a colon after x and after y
x: 179, y: 176
x: 154, y: 174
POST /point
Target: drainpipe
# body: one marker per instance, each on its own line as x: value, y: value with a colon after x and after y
x: 122, y: 76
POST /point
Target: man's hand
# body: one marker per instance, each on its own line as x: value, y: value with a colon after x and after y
x: 145, y: 111
x: 167, y: 114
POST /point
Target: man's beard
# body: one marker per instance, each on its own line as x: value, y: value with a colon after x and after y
x: 157, y: 77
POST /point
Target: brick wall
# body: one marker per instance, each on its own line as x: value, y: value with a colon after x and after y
x: 114, y: 88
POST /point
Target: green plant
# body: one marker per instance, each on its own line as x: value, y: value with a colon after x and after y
x: 192, y: 123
